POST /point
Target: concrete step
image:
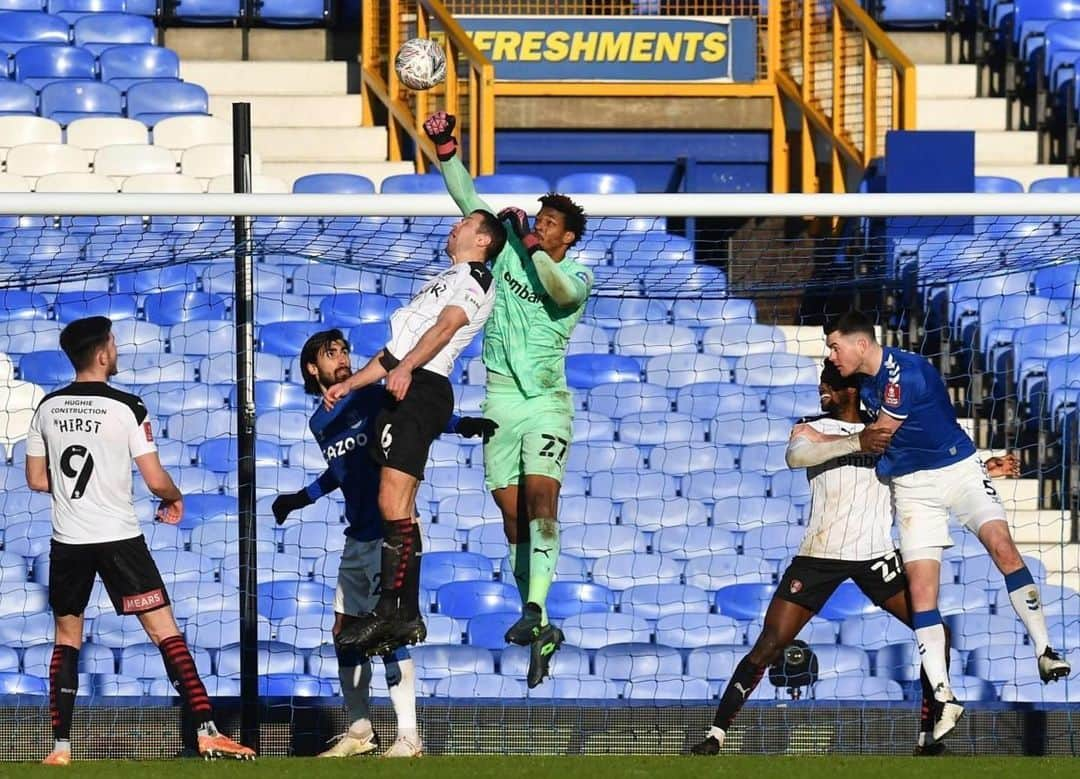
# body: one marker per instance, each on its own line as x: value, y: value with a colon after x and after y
x: 376, y: 171
x: 1025, y: 174
x: 1003, y: 147
x: 922, y: 48
x: 267, y: 78
x: 961, y: 113
x: 320, y: 144
x: 292, y: 110
x: 937, y: 81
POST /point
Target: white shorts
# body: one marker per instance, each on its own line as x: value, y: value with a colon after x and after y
x: 358, y: 577
x: 923, y: 501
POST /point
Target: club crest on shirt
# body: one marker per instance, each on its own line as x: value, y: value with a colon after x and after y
x: 892, y: 394
x: 796, y: 586
x: 148, y: 431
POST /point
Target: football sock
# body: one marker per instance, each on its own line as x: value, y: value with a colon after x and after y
x: 401, y: 679
x: 1028, y: 606
x: 543, y: 556
x: 185, y: 678
x: 63, y: 687
x: 400, y: 569
x: 743, y: 682
x: 926, y: 719
x: 354, y: 673
x: 930, y: 633
x: 519, y: 561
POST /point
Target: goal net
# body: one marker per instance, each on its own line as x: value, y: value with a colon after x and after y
x: 700, y: 347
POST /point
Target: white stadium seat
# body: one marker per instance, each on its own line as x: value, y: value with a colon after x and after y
x: 19, y: 130
x: 211, y: 160
x: 40, y: 159
x: 75, y: 182
x: 96, y: 132
x: 260, y: 185
x: 18, y: 399
x: 182, y: 132
x: 9, y: 182
x: 165, y: 183
x: 123, y: 161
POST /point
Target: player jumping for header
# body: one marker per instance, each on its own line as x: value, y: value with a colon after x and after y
x: 540, y: 296
x: 343, y: 435
x: 848, y: 536
x: 934, y: 472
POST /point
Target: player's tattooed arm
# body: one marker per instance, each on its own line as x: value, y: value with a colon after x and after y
x: 1006, y: 467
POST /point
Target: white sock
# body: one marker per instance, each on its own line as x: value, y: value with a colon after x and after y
x: 1027, y: 603
x: 355, y: 688
x: 717, y: 733
x: 207, y: 728
x: 403, y: 694
x: 932, y: 648
x: 62, y: 744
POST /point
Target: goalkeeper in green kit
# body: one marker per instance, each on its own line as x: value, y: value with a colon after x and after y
x: 539, y: 297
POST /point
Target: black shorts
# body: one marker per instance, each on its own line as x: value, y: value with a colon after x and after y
x: 404, y: 430
x: 127, y: 570
x: 810, y: 581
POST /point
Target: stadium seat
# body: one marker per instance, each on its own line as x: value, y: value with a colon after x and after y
x: 116, y: 631
x: 668, y: 688
x: 773, y: 542
x: 480, y: 686
x: 346, y: 309
x: 464, y: 600
x: 19, y: 130
x: 834, y: 660
x: 569, y: 662
x: 793, y: 402
x: 28, y: 539
x: 77, y: 182
x: 592, y: 630
x: 596, y: 183
x: 440, y: 568
x: 37, y: 66
x: 176, y: 397
x: 595, y: 541
x: 653, y: 428
x: 623, y: 398
x: 901, y: 660
x: 874, y: 630
x: 489, y: 630
x: 687, y: 542
x: 792, y: 485
x: 621, y: 570
x: 274, y: 658
x: 24, y: 630
x: 710, y: 399
x: 176, y: 306
x: 18, y: 99
x: 591, y: 458
x: 739, y: 340
x: 284, y: 598
x: 749, y: 513
x: 716, y: 568
x: 98, y: 32
x: 651, y: 339
x: 613, y: 312
x: 435, y: 661
x: 740, y: 430
x: 413, y: 184
x: 704, y: 313
x: 585, y: 371
x: 623, y: 662
x: 285, y: 426
x: 691, y: 457
x: 997, y: 184
x: 652, y: 514
x: 764, y: 458
x: 339, y: 183
x: 22, y: 597
x: 744, y: 601
x: 654, y: 601
x: 151, y: 102
x: 620, y: 486
x: 71, y: 99
x: 567, y: 598
x: 125, y: 66
x: 126, y: 160
x: 22, y: 685
x: 21, y: 29
x: 212, y: 159
x: 845, y: 602
x: 715, y: 661
x: 858, y: 688
x: 34, y: 160
x: 143, y: 661
x: 515, y: 183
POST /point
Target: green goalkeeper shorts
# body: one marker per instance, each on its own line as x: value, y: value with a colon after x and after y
x: 533, y: 438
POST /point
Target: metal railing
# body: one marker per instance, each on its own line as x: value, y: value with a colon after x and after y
x: 849, y: 81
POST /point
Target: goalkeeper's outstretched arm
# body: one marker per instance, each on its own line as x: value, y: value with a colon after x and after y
x: 440, y: 129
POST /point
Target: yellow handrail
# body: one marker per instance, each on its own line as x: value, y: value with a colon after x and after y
x: 385, y: 25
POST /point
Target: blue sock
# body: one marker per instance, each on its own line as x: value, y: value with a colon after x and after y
x: 1017, y: 579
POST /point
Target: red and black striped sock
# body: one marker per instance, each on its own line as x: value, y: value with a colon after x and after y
x: 400, y: 568
x: 63, y: 687
x: 185, y: 678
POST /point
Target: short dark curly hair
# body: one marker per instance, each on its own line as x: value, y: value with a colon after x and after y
x: 573, y: 214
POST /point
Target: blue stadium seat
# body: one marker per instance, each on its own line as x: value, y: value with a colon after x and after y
x: 413, y: 184
x: 749, y: 513
x: 480, y: 686
x: 858, y: 688
x: 720, y: 569
x: 686, y: 368
x: 981, y: 571
x: 319, y: 279
x: 744, y: 601
x: 569, y: 662
x: 23, y: 5
x: 901, y: 660
x: 70, y: 306
x: 669, y: 688
x: 971, y: 688
x: 153, y: 101
x: 21, y: 29
x: 76, y: 9
x: 23, y: 685
x: 290, y: 13
x: 353, y: 308
x: 23, y: 630
x: 620, y: 486
x: 307, y: 629
x: 37, y: 66
x: 873, y: 630
x: 585, y: 371
x: 219, y: 454
x: 516, y: 183
x: 9, y: 660
x: 113, y: 630
x: 622, y: 398
x: 17, y: 99
x: 688, y: 542
x: 593, y: 541
x: 161, y: 536
x: 285, y: 426
x: 913, y: 13
x: 215, y: 629
x: 652, y: 514
x: 766, y: 458
x: 710, y: 486
x: 285, y: 598
x: 793, y: 402
x: 652, y: 428
x: 567, y: 598
x: 489, y: 630
x: 340, y: 183
x: 488, y: 539
x: 591, y: 458
x: 970, y: 631
x: 690, y: 457
x: 615, y: 312
x: 587, y: 425
x: 288, y: 685
x: 709, y: 312
x: 960, y: 598
x: 710, y: 399
x: 310, y: 539
x: 169, y: 277
x: 274, y: 658
x: 143, y: 661
x: 997, y: 184
x: 195, y: 427
x: 847, y: 601
x: 12, y: 569
x: 467, y: 510
x: 93, y: 659
x: 125, y: 66
x: 651, y: 339
x: 792, y: 485
x: 1064, y: 630
x: 28, y: 539
x: 715, y: 661
x: 626, y: 661
x: 98, y: 32
x: 66, y: 101
x: 626, y: 569
x: 440, y: 568
x: 773, y: 542
x: 208, y: 11
x: 464, y: 600
x: 693, y: 630
x: 23, y: 334
x: 278, y: 395
x: 737, y: 339
x: 593, y: 630
x: 175, y: 306
x: 654, y: 601
x: 741, y: 430
x: 596, y: 183
x: 1056, y: 184
x: 835, y: 660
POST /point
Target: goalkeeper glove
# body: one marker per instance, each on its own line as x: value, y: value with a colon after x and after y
x: 519, y: 223
x: 440, y: 129
x: 284, y: 504
x: 471, y: 427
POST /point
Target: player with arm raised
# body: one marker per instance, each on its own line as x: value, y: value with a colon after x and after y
x: 541, y: 296
x: 848, y: 536
x: 80, y: 447
x: 934, y: 471
x: 426, y: 336
x: 343, y: 435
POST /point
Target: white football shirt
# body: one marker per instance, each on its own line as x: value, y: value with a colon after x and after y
x: 90, y: 433
x: 467, y: 285
x: 850, y: 507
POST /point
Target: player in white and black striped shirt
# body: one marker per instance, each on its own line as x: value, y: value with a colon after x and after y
x: 848, y: 536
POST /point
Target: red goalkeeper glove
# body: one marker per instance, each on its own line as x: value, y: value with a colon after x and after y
x: 440, y: 129
x: 519, y: 223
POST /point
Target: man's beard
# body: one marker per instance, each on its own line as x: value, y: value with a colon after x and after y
x: 113, y: 370
x: 339, y: 375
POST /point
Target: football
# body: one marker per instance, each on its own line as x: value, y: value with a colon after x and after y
x: 420, y: 64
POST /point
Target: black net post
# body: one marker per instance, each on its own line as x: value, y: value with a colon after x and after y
x: 245, y: 425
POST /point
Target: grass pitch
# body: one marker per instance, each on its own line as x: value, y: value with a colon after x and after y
x: 590, y: 767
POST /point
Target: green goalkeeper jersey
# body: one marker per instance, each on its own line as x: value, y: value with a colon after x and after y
x: 527, y: 334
